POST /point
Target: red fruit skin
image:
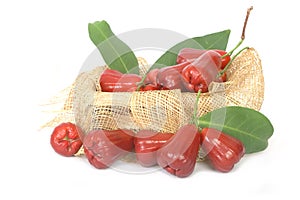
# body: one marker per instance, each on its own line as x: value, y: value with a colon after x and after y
x: 171, y: 78
x: 225, y: 60
x: 150, y: 87
x: 146, y: 144
x: 178, y: 156
x: 223, y: 150
x: 65, y: 139
x: 115, y: 81
x: 151, y: 77
x: 203, y: 70
x: 103, y: 148
x: 223, y: 78
x: 194, y: 79
x: 190, y: 54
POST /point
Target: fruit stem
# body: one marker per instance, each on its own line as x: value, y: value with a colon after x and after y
x: 238, y: 45
x: 140, y: 84
x: 233, y: 58
x: 245, y: 22
x: 231, y: 52
x: 243, y: 34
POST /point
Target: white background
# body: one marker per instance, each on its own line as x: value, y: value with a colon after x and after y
x: 42, y: 47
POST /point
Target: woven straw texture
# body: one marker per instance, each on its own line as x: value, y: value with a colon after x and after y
x: 164, y: 110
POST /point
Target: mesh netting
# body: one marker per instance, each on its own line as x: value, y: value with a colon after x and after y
x: 163, y: 110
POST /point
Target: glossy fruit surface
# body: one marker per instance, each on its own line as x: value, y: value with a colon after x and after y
x: 65, y: 139
x: 178, y: 156
x: 223, y: 150
x: 103, y: 148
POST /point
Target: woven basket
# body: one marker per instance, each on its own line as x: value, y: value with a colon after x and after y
x: 163, y: 110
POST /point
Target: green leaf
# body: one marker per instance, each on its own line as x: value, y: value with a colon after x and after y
x: 116, y: 53
x: 249, y: 126
x: 217, y: 40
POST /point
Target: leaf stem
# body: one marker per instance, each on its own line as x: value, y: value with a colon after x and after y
x: 194, y: 119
